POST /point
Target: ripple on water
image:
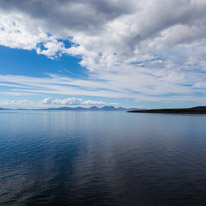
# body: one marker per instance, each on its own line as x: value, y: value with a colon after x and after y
x: 102, y: 158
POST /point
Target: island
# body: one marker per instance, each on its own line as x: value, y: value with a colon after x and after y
x: 193, y: 110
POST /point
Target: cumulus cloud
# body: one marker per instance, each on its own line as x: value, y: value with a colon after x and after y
x: 108, y: 32
x: 47, y: 101
x: 68, y: 101
x: 18, y: 32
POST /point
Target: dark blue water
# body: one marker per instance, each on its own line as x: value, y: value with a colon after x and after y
x: 102, y: 158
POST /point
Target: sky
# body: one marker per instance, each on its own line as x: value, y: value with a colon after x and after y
x: 142, y: 54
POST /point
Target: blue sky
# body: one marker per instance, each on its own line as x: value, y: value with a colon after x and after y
x: 145, y: 54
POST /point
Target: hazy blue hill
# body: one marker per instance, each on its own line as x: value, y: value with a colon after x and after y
x: 4, y: 108
x: 80, y: 108
x: 93, y: 108
x: 67, y: 108
x: 108, y: 108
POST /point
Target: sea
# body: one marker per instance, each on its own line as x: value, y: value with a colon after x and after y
x: 102, y: 158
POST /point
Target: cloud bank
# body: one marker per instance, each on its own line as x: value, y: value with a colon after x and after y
x: 106, y: 33
x: 73, y: 101
x: 49, y: 102
x: 152, y: 50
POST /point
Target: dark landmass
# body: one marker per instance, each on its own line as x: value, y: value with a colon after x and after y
x: 193, y: 110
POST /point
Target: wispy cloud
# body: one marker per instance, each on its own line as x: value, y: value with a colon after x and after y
x: 137, y: 84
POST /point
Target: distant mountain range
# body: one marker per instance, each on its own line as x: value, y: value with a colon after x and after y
x: 93, y: 108
x: 193, y: 110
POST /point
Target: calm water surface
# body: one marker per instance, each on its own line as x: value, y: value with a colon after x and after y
x: 102, y: 158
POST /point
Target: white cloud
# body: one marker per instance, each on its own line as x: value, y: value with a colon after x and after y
x: 20, y: 102
x: 17, y: 31
x: 146, y: 50
x: 51, y: 48
x: 47, y: 101
x: 68, y: 101
x: 17, y: 103
x: 107, y: 33
x: 141, y: 85
x: 74, y: 101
